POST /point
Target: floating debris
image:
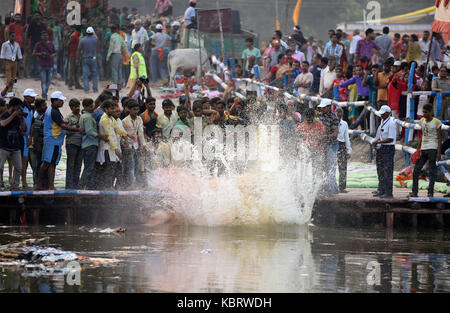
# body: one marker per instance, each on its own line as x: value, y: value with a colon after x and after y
x: 118, y: 230
x: 206, y: 251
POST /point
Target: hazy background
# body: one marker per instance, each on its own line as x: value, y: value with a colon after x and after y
x: 316, y: 17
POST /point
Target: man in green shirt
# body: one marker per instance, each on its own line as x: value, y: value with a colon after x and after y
x: 251, y: 50
x: 116, y: 49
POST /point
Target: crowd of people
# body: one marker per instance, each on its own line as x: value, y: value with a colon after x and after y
x: 106, y: 46
x: 116, y: 140
x: 374, y: 69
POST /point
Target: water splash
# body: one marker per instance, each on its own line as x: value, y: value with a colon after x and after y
x: 264, y: 192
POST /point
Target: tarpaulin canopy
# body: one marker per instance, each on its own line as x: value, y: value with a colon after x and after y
x: 408, y: 17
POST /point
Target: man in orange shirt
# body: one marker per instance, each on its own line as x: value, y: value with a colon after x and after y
x: 73, y: 68
x: 311, y: 133
x: 397, y: 46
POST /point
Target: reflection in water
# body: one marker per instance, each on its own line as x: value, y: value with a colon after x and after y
x: 169, y: 258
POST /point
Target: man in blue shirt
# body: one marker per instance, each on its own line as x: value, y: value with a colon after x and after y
x: 28, y: 99
x: 54, y: 132
x: 88, y: 48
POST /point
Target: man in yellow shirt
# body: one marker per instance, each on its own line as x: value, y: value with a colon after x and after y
x: 167, y: 120
x: 109, y: 152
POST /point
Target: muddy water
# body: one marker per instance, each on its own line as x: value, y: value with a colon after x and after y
x: 173, y: 258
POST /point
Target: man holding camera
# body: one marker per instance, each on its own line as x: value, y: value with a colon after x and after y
x: 12, y: 127
x: 11, y: 54
x: 45, y: 51
x: 137, y: 92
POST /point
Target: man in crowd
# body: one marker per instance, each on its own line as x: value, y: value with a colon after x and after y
x: 158, y: 41
x: 45, y: 51
x: 356, y: 38
x: 88, y: 49
x: 327, y: 78
x: 74, y: 41
x: 123, y: 16
x: 430, y: 149
x: 29, y: 97
x: 117, y: 47
x: 316, y: 72
x: 54, y: 133
x: 397, y: 46
x: 331, y: 146
x: 139, y: 35
x: 190, y: 17
x: 37, y: 138
x: 385, y: 150
x: 17, y: 27
x: 304, y: 81
x: 311, y: 133
x: 251, y: 50
x: 277, y: 51
x: 334, y: 49
x: 424, y: 43
x: 73, y: 146
x: 12, y: 128
x: 344, y: 152
x: 385, y: 44
x: 34, y: 35
x: 365, y: 47
x: 10, y: 55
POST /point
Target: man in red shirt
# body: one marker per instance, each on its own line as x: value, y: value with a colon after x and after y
x: 311, y: 133
x: 397, y: 46
x: 73, y: 47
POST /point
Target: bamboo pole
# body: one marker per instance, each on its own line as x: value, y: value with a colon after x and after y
x: 222, y: 42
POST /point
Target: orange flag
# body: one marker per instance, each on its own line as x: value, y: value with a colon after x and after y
x: 296, y: 15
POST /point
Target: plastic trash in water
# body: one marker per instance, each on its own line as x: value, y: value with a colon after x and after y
x: 39, y: 254
x: 50, y: 226
x: 206, y: 251
x: 107, y: 230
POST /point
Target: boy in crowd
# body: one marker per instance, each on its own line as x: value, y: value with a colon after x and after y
x: 54, y: 132
x: 109, y: 152
x: 167, y: 120
x: 149, y: 117
x: 73, y: 146
x: 133, y: 146
x: 89, y: 145
x: 344, y: 151
x: 430, y: 149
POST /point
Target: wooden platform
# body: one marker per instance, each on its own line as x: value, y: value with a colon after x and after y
x: 355, y: 206
x: 358, y: 202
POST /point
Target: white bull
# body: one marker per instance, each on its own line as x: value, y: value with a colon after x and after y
x: 187, y: 59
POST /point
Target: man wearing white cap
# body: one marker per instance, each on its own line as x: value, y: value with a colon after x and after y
x: 28, y: 100
x: 54, y: 132
x: 190, y: 18
x: 158, y: 42
x: 385, y: 144
x: 175, y: 35
x: 331, y: 146
x: 88, y: 48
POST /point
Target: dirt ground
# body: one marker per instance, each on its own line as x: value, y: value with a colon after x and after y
x: 59, y: 85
